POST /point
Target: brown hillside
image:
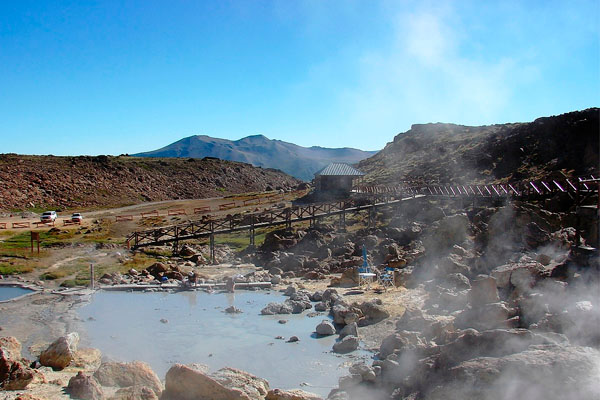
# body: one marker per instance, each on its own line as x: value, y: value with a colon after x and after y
x: 68, y: 182
x: 451, y: 153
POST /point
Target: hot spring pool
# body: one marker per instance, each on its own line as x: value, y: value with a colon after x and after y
x: 127, y: 326
x: 11, y: 292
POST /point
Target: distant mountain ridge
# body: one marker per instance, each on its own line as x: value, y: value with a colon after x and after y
x: 258, y: 150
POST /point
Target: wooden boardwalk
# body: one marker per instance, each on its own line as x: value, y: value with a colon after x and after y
x: 208, y: 227
x: 372, y: 199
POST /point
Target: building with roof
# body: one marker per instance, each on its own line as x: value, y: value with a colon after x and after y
x: 337, y: 178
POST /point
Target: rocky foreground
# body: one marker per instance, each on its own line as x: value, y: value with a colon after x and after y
x: 507, y: 308
x: 65, y: 371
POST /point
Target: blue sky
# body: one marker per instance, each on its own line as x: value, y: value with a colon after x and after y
x: 113, y: 77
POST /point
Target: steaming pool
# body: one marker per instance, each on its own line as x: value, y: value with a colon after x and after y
x: 127, y: 326
x: 12, y: 292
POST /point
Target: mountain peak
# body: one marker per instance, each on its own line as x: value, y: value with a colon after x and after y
x: 300, y: 162
x: 254, y: 138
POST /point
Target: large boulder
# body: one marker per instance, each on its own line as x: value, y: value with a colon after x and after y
x: 134, y: 393
x: 373, y: 311
x: 157, y: 269
x: 491, y: 343
x: 344, y: 314
x: 276, y: 308
x: 346, y: 345
x: 544, y: 372
x: 292, y: 394
x: 325, y: 328
x: 401, y: 340
x: 350, y: 329
x: 185, y: 383
x: 366, y: 373
x: 522, y: 274
x: 60, y: 353
x: 12, y: 346
x: 483, y: 291
x: 84, y: 387
x: 13, y: 374
x: 488, y: 316
x: 135, y: 373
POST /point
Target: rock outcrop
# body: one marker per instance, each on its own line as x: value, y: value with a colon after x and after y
x: 123, y: 375
x: 186, y: 383
x: 61, y: 352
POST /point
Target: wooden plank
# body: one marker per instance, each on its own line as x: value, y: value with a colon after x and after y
x: 150, y: 214
x: 201, y: 210
x: 177, y: 211
x: 21, y: 224
x: 226, y: 206
x: 2, y: 225
x: 124, y: 218
x: 38, y: 223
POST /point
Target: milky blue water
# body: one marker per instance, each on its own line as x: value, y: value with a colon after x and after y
x: 10, y: 292
x: 127, y: 326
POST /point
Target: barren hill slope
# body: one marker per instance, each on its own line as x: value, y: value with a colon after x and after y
x: 451, y: 153
x: 65, y: 182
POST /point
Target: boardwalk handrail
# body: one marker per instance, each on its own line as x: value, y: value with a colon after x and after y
x: 381, y: 196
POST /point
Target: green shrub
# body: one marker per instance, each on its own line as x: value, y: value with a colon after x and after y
x: 8, y: 269
x: 69, y: 283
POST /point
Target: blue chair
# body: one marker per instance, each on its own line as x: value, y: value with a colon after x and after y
x: 386, y: 279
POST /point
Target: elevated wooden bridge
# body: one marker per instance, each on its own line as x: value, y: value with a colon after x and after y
x: 368, y: 199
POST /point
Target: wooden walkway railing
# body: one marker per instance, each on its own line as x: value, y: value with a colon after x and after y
x: 380, y: 196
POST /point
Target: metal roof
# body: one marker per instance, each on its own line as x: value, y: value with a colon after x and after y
x: 339, y: 169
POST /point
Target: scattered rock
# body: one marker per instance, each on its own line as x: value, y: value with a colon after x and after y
x: 483, y: 291
x: 84, y: 387
x: 134, y: 393
x: 185, y: 383
x: 135, y: 373
x: 325, y: 328
x: 292, y: 394
x: 350, y: 329
x: 60, y: 353
x: 346, y: 345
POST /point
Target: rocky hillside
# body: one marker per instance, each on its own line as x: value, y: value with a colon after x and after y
x: 66, y: 182
x: 456, y: 153
x: 298, y: 161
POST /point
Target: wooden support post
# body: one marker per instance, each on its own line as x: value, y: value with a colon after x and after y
x: 213, y: 260
x: 371, y: 217
x: 343, y: 221
x: 252, y: 242
x: 35, y: 236
x: 176, y: 242
x: 92, y: 276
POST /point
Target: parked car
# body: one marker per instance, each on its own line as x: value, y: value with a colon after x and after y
x: 48, y: 216
x: 76, y: 217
